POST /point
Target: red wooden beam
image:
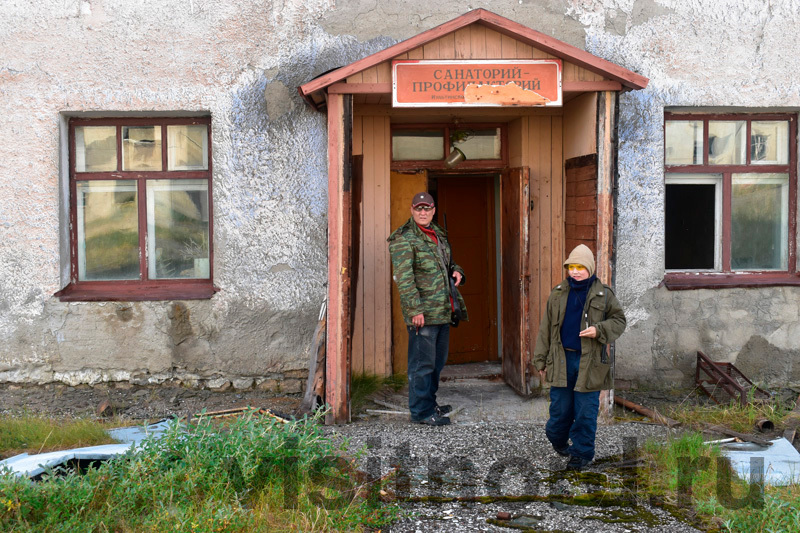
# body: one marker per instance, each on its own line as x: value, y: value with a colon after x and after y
x: 336, y: 368
x: 360, y: 88
x: 590, y: 86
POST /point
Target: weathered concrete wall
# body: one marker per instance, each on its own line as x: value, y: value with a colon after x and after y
x: 229, y: 59
x: 241, y: 61
x: 732, y: 55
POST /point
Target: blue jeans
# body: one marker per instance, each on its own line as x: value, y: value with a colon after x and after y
x: 573, y: 415
x: 427, y: 354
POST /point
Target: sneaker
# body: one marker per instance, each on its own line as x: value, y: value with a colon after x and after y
x: 433, y: 420
x: 563, y: 452
x: 442, y: 410
x: 577, y: 463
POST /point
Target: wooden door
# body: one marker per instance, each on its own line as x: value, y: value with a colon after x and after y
x: 515, y: 276
x: 468, y: 203
x: 402, y: 190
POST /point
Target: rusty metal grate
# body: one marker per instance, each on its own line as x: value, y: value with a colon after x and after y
x: 723, y: 382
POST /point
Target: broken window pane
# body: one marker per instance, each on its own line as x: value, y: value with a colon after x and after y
x: 417, y: 145
x: 769, y: 142
x: 691, y: 226
x: 759, y: 221
x: 477, y: 144
x: 726, y: 142
x: 108, y: 230
x: 683, y: 142
x: 187, y: 147
x: 95, y: 148
x: 177, y: 229
x: 693, y: 223
x: 141, y: 148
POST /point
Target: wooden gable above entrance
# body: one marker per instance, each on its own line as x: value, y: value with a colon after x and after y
x: 478, y: 34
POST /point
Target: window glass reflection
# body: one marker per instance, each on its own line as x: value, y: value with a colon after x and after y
x: 683, y: 142
x: 726, y: 142
x: 141, y: 148
x: 187, y: 147
x: 108, y: 231
x: 95, y: 148
x: 177, y: 228
x: 759, y: 221
x: 477, y: 144
x: 417, y: 145
x: 769, y: 142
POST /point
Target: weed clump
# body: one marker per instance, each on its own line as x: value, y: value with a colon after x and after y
x: 252, y: 474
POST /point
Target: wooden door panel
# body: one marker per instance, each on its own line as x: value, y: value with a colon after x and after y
x: 515, y: 276
x: 465, y: 201
x: 403, y: 187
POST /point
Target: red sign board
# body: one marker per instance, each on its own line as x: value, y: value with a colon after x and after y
x: 495, y: 83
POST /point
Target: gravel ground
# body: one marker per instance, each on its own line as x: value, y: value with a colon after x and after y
x: 461, y: 476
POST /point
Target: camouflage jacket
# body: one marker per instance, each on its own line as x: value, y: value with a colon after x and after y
x: 421, y: 278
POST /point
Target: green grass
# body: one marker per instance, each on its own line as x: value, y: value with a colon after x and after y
x: 734, y: 416
x: 35, y: 434
x: 251, y: 474
x: 685, y: 473
x: 362, y: 386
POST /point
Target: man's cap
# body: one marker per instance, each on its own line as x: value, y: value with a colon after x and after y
x: 422, y: 198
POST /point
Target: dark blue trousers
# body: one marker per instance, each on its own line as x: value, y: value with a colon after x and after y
x: 573, y: 415
x: 427, y: 355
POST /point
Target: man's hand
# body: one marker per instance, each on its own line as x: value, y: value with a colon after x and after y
x: 457, y: 275
x: 418, y: 320
x: 542, y: 376
x: 590, y: 332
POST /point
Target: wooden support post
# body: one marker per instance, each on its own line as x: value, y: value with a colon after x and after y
x: 606, y: 178
x: 337, y: 362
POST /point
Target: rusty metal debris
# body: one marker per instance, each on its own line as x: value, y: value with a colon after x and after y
x: 714, y: 378
x: 764, y: 425
x: 649, y: 413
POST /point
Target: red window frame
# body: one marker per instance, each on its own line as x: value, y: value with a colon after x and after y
x: 727, y: 277
x: 446, y: 128
x: 143, y: 289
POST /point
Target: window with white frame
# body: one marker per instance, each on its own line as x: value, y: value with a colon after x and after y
x: 731, y: 187
x: 140, y: 209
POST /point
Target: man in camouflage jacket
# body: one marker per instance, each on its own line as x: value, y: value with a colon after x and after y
x: 421, y: 262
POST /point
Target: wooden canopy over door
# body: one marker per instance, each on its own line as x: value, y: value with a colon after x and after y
x: 515, y: 278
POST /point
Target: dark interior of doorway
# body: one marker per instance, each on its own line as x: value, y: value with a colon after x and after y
x: 468, y: 200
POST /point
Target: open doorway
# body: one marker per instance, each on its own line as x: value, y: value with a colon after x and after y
x: 468, y: 202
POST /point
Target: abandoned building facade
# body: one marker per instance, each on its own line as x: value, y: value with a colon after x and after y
x: 184, y: 183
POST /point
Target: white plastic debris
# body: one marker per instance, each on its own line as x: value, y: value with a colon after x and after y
x: 781, y: 461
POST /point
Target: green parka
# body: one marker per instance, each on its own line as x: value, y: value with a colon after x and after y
x: 603, y: 311
x: 422, y: 280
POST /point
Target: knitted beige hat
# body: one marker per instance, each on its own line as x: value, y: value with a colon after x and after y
x: 581, y: 255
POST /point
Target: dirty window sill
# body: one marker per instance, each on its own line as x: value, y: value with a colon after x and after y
x: 687, y: 281
x: 121, y: 291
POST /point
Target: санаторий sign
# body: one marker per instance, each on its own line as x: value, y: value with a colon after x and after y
x: 491, y: 83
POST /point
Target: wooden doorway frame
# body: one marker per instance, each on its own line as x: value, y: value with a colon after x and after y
x: 340, y: 237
